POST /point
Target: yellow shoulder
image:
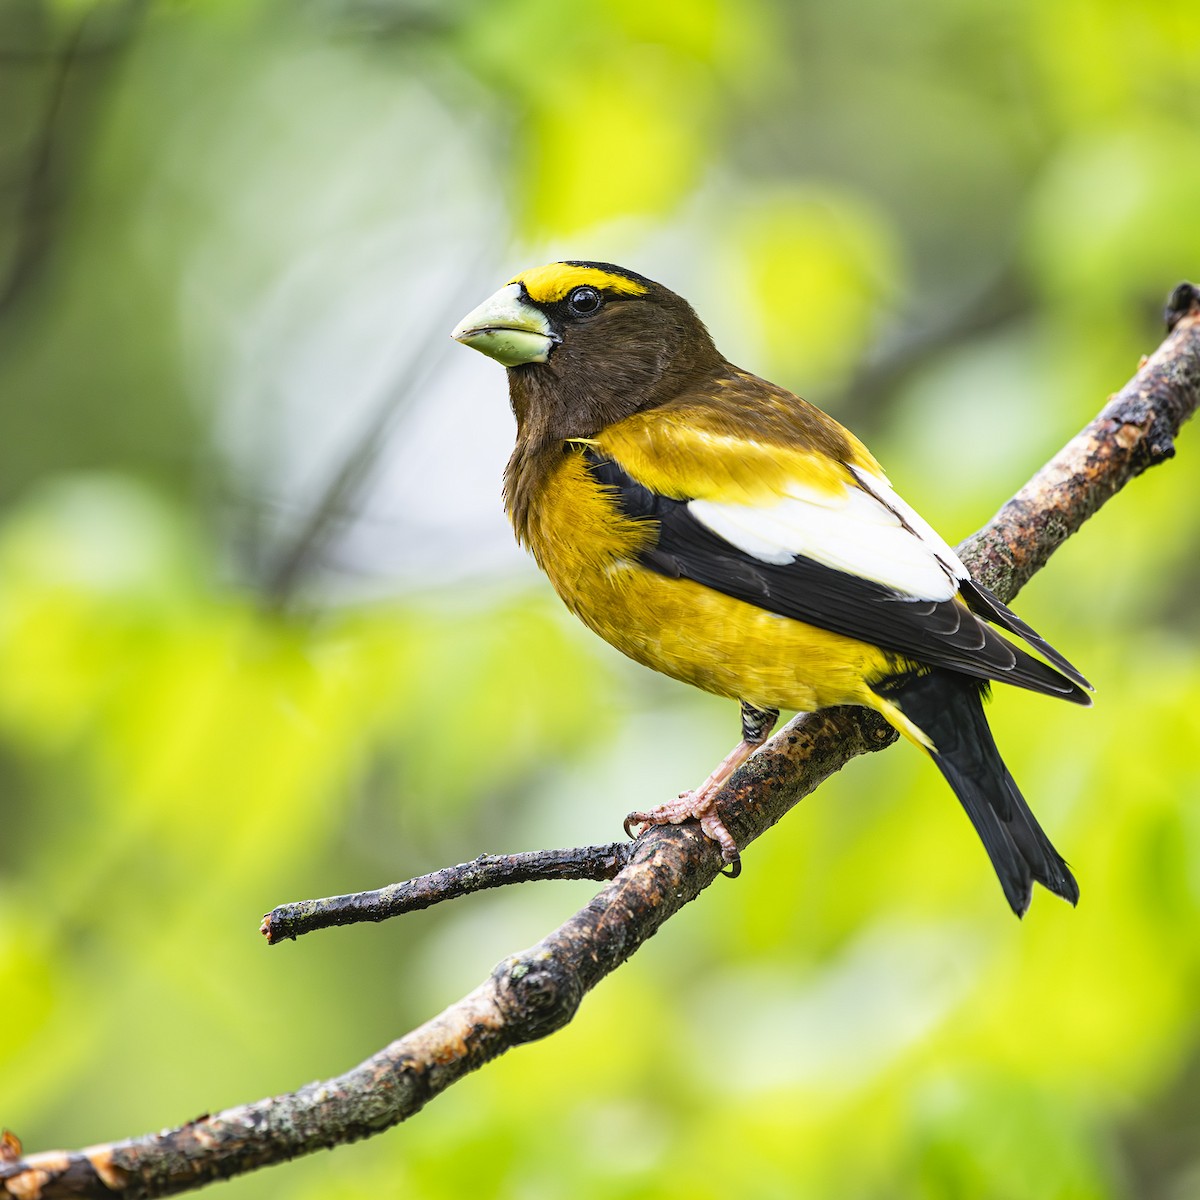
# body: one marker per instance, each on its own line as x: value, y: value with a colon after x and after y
x: 742, y: 440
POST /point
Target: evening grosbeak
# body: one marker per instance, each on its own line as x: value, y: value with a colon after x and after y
x: 719, y: 529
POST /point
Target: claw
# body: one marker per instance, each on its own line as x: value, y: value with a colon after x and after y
x: 701, y: 805
x: 713, y: 827
x: 698, y: 806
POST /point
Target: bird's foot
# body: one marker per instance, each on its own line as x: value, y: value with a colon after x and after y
x: 700, y: 805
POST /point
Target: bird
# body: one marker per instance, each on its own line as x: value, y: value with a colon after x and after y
x: 719, y: 529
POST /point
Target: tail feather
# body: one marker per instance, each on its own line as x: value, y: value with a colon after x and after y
x: 948, y: 708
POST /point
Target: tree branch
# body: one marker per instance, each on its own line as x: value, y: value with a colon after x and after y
x: 486, y: 871
x: 535, y: 992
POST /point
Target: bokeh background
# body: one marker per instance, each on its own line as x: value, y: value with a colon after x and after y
x: 264, y: 633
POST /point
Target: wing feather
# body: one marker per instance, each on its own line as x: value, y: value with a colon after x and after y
x: 774, y: 561
x: 851, y: 531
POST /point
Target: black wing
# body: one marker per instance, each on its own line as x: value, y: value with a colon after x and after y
x: 937, y: 633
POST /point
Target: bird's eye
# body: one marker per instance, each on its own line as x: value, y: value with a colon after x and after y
x: 584, y: 301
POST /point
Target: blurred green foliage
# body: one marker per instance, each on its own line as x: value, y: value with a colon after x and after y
x: 263, y: 636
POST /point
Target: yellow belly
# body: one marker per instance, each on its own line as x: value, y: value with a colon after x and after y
x: 723, y: 645
x: 681, y: 628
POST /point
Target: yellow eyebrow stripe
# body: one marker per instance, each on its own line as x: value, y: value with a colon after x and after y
x: 547, y: 284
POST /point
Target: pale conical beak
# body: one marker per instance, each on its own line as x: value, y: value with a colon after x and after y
x: 507, y: 329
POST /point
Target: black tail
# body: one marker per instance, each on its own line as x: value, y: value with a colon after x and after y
x: 948, y: 707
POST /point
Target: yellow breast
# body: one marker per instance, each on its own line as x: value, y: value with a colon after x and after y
x: 588, y: 549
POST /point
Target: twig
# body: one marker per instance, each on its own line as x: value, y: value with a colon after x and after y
x: 320, y: 523
x: 536, y: 992
x: 40, y: 196
x: 486, y: 871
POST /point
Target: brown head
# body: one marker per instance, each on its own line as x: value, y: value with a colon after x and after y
x: 587, y: 344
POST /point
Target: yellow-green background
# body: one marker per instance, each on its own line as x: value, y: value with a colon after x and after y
x: 233, y: 238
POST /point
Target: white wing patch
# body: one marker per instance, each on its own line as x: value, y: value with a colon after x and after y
x: 866, y: 531
x: 879, y: 487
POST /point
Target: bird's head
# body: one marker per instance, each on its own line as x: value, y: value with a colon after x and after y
x: 586, y: 344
